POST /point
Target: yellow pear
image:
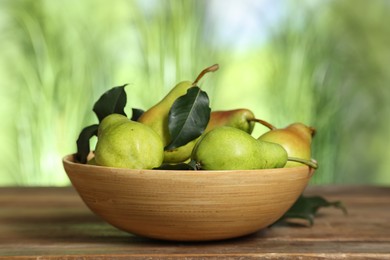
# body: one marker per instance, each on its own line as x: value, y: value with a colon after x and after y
x: 295, y: 138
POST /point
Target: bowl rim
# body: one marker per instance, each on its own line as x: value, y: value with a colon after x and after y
x: 69, y: 159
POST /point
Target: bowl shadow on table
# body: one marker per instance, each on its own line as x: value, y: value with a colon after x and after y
x: 82, y: 227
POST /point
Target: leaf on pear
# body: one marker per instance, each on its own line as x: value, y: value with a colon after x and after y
x: 191, y: 165
x: 178, y: 166
x: 83, y: 148
x: 306, y: 208
x: 136, y: 113
x: 112, y: 101
x: 188, y: 117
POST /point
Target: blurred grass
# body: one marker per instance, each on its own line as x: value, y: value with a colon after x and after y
x: 335, y: 67
x: 58, y: 58
x: 53, y: 71
x: 323, y: 64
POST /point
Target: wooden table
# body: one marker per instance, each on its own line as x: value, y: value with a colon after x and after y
x: 52, y: 223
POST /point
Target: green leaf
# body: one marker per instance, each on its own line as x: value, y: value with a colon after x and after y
x: 178, y: 166
x: 83, y: 148
x: 136, y: 113
x: 306, y: 208
x: 188, y: 117
x: 112, y: 101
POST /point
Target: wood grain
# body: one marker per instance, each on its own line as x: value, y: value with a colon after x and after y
x: 53, y: 223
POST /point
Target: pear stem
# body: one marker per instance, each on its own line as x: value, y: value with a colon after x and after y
x: 212, y: 68
x: 264, y: 123
x: 311, y: 163
x: 313, y: 131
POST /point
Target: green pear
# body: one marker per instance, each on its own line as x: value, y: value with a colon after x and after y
x: 157, y: 116
x: 238, y: 118
x: 123, y: 143
x: 229, y: 148
x: 110, y: 120
x: 296, y: 139
x: 179, y: 154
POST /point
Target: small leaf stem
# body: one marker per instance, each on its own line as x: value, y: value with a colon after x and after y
x: 212, y: 68
x: 313, y: 131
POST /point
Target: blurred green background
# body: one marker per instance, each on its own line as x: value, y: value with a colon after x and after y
x: 325, y: 63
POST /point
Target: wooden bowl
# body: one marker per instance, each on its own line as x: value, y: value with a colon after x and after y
x: 187, y: 205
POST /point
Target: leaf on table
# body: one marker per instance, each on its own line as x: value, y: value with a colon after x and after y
x: 306, y: 208
x: 82, y: 142
x: 112, y: 101
x: 188, y: 117
x: 136, y: 113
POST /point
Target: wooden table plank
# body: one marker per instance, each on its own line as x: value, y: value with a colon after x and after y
x: 53, y: 223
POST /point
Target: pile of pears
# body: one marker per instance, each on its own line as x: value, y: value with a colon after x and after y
x: 226, y: 143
